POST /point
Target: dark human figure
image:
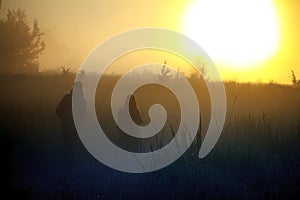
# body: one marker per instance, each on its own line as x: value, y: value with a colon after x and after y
x: 73, y: 148
x: 134, y: 110
x: 135, y: 115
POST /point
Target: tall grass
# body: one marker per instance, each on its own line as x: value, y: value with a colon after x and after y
x: 257, y: 156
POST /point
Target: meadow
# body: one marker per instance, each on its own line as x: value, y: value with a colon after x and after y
x: 257, y: 156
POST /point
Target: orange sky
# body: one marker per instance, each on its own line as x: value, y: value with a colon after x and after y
x: 74, y: 27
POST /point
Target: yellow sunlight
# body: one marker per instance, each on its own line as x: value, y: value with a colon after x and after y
x: 237, y: 34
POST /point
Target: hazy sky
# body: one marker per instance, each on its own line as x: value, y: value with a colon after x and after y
x: 74, y: 27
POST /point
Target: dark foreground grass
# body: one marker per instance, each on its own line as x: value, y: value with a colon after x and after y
x: 257, y: 156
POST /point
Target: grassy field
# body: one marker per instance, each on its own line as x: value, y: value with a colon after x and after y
x: 257, y: 156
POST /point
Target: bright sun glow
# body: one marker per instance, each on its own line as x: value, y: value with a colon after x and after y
x: 236, y: 33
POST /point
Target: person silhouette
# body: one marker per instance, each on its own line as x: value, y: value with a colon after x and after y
x: 73, y: 147
x: 134, y: 110
x: 135, y: 115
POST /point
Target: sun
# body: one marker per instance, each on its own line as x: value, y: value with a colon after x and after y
x: 235, y: 33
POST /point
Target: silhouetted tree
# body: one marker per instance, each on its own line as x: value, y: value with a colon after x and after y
x: 295, y: 82
x: 20, y: 44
